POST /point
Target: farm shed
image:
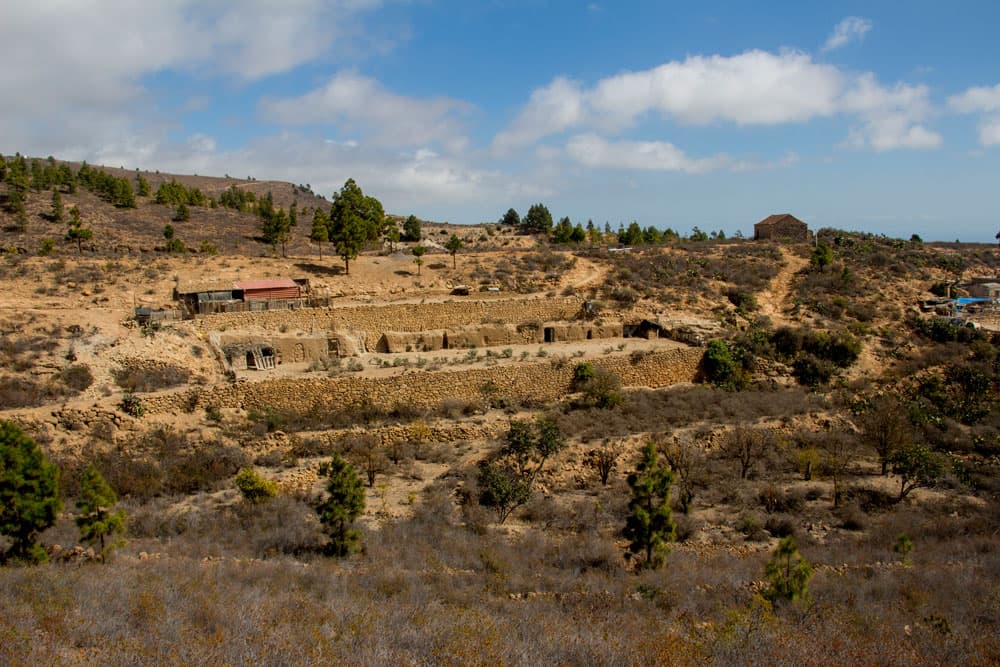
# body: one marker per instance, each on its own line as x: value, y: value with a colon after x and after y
x: 266, y: 290
x: 985, y: 291
x: 781, y: 226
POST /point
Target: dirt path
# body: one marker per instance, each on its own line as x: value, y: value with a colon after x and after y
x: 775, y: 299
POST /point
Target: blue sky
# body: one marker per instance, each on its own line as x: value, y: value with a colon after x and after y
x: 881, y: 116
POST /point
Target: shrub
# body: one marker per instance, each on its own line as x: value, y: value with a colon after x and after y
x: 811, y: 371
x: 721, y: 367
x: 77, y: 377
x: 255, y: 487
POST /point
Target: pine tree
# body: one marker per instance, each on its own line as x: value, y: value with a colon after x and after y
x: 345, y: 503
x: 453, y: 245
x: 96, y: 521
x: 418, y: 256
x: 650, y: 524
x: 787, y: 573
x: 142, y: 186
x: 77, y: 232
x: 320, y: 232
x: 411, y: 229
x: 355, y: 220
x: 57, y: 214
x: 29, y: 494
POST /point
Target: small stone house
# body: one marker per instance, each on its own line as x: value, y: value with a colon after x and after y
x: 781, y: 226
x: 985, y: 291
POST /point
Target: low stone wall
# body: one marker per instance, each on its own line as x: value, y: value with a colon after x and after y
x: 542, y: 382
x: 375, y: 320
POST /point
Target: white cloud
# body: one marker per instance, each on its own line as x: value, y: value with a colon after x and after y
x: 751, y: 88
x: 989, y: 131
x: 890, y: 117
x: 87, y: 86
x: 360, y: 103
x: 551, y: 109
x: 981, y: 99
x: 850, y: 29
x: 976, y: 100
x: 593, y: 151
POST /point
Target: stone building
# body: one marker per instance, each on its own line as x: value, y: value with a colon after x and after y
x: 783, y: 227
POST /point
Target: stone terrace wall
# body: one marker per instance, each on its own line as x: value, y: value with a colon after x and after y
x: 375, y: 320
x: 543, y: 382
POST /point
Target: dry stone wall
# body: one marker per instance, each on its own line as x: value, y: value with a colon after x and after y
x: 542, y: 382
x: 375, y: 320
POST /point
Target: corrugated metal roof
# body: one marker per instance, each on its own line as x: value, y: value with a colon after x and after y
x: 276, y: 283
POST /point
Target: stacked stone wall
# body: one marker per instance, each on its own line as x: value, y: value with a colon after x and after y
x: 376, y: 320
x: 541, y: 382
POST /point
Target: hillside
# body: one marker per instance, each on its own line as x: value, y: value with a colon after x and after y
x: 773, y: 386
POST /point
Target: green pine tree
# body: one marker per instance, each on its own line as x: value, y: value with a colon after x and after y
x: 98, y: 524
x: 787, y: 573
x: 29, y: 494
x: 57, y: 214
x: 650, y: 524
x: 345, y: 503
x: 320, y: 232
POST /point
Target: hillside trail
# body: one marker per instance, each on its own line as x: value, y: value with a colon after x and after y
x: 586, y: 273
x: 773, y: 300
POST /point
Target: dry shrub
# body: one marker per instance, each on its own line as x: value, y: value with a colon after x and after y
x: 151, y: 378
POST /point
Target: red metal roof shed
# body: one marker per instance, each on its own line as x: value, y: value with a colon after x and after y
x: 262, y: 290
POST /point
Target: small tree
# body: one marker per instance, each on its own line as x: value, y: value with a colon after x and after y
x: 453, y: 245
x: 320, y: 232
x: 418, y: 256
x: 97, y: 523
x: 604, y: 460
x: 77, y: 232
x: 917, y: 467
x: 57, y: 214
x: 722, y: 367
x: 599, y: 386
x: 650, y: 524
x: 511, y: 218
x: 530, y: 446
x: 391, y: 235
x: 182, y: 213
x: 29, y: 494
x: 688, y: 462
x: 502, y: 488
x: 411, y: 229
x: 746, y: 446
x: 903, y: 547
x: 344, y: 504
x: 538, y: 220
x: 255, y: 487
x: 822, y: 257
x: 885, y: 427
x: 787, y: 574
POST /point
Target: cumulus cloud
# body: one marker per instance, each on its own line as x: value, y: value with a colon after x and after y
x: 359, y: 103
x: 989, y: 131
x: 850, y: 29
x: 752, y: 88
x: 890, y: 118
x: 551, y: 109
x: 978, y: 99
x: 88, y: 86
x: 594, y: 151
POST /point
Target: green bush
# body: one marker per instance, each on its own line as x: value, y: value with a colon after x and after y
x: 255, y: 487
